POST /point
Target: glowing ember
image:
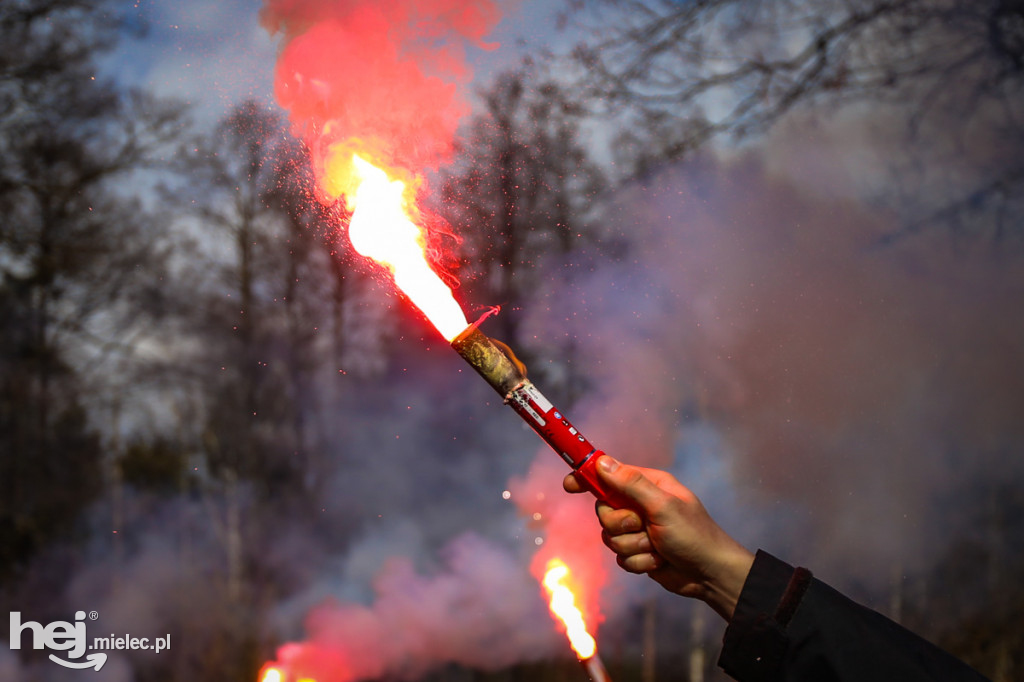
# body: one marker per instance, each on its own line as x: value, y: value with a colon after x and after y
x: 272, y: 675
x: 381, y: 229
x: 563, y: 605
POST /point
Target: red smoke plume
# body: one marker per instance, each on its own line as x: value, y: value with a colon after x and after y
x: 471, y: 612
x: 570, y: 532
x: 380, y: 77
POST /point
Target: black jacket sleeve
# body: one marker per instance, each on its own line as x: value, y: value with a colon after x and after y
x: 791, y: 627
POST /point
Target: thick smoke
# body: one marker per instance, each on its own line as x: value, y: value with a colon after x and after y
x: 867, y: 391
x: 440, y: 574
x: 471, y: 612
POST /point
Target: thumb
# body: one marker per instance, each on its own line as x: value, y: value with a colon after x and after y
x: 630, y: 482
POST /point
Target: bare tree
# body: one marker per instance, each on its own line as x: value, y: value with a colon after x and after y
x: 679, y: 74
x: 229, y: 174
x: 73, y: 255
x: 520, y: 189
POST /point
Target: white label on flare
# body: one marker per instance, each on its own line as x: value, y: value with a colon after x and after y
x: 524, y: 394
x: 538, y: 398
x: 528, y: 408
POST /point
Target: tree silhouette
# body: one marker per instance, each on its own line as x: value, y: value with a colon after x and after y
x: 520, y: 189
x: 73, y: 255
x: 677, y: 75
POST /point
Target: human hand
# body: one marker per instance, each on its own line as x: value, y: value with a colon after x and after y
x: 668, y: 534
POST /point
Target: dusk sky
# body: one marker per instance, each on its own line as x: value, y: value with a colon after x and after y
x: 214, y: 54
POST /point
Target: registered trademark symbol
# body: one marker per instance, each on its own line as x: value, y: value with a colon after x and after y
x: 93, y: 615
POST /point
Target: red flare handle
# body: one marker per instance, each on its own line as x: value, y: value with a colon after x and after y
x: 587, y: 471
x: 564, y: 438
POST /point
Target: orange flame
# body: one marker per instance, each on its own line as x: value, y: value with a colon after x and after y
x: 563, y: 605
x: 272, y: 673
x: 382, y: 229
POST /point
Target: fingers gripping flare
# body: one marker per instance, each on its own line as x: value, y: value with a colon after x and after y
x: 624, y: 533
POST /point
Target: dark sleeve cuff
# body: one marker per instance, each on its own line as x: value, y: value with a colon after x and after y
x: 755, y: 642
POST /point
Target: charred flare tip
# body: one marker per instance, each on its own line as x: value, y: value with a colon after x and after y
x: 491, y: 359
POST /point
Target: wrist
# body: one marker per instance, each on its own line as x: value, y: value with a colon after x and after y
x: 725, y: 579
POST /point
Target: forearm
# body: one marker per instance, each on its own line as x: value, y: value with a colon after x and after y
x: 789, y: 626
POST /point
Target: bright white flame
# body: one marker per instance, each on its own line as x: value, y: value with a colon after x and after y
x: 272, y: 675
x: 563, y: 605
x: 381, y: 229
